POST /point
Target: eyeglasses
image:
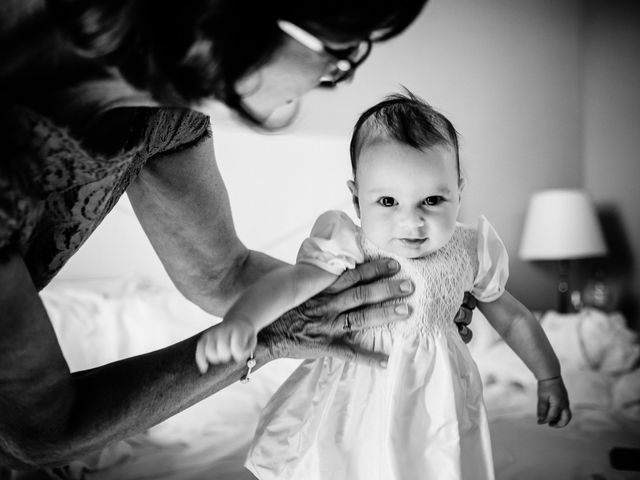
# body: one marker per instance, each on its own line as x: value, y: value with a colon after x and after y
x: 346, y: 60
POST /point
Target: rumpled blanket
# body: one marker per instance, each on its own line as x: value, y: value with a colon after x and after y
x: 599, y: 356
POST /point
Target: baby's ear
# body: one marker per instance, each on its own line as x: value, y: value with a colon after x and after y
x: 461, y: 183
x: 354, y: 196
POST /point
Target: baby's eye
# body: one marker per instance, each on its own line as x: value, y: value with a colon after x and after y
x: 433, y: 200
x: 387, y: 201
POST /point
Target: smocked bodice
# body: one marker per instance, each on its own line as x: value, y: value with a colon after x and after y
x: 440, y: 280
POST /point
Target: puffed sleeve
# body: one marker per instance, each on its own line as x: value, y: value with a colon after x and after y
x: 333, y: 244
x: 493, y: 263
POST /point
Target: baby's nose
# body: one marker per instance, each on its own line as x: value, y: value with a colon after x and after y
x: 412, y: 219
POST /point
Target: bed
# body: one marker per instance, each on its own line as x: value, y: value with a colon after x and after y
x: 101, y: 321
x: 114, y: 299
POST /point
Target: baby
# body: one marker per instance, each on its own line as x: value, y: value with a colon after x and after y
x: 424, y: 416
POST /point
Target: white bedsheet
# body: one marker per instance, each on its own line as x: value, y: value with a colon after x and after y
x: 106, y: 321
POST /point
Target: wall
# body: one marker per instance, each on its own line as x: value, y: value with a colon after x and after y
x: 610, y: 137
x: 508, y: 73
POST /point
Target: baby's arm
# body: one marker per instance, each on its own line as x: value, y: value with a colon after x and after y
x: 267, y: 299
x: 522, y: 332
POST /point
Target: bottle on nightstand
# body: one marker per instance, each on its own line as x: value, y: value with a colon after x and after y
x: 598, y: 293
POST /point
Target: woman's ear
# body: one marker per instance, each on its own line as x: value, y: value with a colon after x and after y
x: 354, y: 196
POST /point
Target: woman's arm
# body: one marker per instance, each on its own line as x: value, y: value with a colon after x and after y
x: 49, y: 416
x: 523, y: 333
x: 182, y: 204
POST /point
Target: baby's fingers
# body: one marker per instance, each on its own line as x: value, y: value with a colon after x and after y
x: 553, y: 415
x: 221, y: 346
x: 543, y: 410
x: 562, y: 420
x: 201, y: 357
x: 242, y: 345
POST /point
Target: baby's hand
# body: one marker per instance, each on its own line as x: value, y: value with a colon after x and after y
x: 230, y: 340
x: 553, y: 403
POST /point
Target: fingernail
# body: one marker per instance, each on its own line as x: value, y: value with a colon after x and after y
x: 393, y: 265
x: 402, y: 309
x: 383, y: 363
x: 405, y: 286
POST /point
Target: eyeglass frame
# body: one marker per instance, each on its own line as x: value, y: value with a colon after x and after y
x: 344, y: 67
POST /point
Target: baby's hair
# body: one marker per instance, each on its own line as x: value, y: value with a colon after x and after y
x: 405, y: 118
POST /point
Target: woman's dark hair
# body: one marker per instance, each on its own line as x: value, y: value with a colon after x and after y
x: 186, y: 51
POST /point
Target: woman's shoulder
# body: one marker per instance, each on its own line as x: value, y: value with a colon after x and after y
x: 152, y: 129
x: 168, y: 129
x: 55, y: 186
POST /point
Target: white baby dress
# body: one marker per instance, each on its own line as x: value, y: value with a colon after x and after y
x: 421, y: 418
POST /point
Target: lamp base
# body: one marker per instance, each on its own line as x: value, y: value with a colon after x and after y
x: 563, y: 287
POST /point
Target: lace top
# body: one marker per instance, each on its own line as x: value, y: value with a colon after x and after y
x: 56, y: 188
x: 473, y: 260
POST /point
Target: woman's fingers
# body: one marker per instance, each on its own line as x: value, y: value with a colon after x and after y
x: 463, y: 316
x: 465, y: 333
x: 361, y: 295
x: 375, y: 316
x: 316, y: 328
x: 364, y: 273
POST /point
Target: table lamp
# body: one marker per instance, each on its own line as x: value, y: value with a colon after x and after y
x: 561, y: 225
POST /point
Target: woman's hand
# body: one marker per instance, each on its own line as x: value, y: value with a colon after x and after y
x: 316, y: 328
x: 464, y: 316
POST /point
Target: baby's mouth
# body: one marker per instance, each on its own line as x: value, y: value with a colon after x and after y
x: 413, y: 242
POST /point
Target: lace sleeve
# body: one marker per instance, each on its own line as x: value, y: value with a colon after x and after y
x: 172, y: 129
x: 149, y: 130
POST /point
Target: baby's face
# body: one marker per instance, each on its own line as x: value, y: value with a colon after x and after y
x: 408, y: 199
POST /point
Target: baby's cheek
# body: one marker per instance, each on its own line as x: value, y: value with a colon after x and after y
x: 447, y: 227
x: 373, y: 229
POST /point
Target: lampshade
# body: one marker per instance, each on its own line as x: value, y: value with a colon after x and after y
x: 561, y: 225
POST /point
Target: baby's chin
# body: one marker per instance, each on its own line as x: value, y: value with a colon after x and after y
x: 408, y: 249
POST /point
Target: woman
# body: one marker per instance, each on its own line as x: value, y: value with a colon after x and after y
x: 93, y: 105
